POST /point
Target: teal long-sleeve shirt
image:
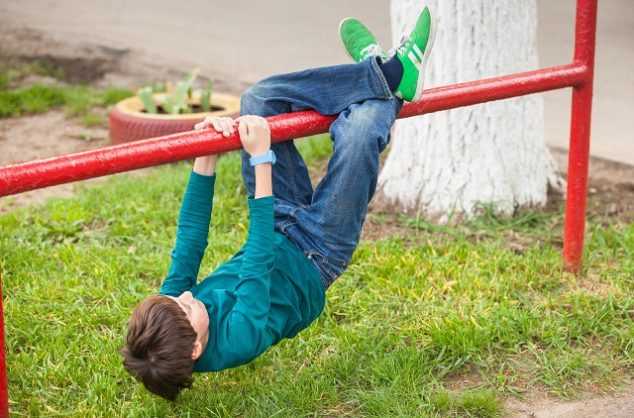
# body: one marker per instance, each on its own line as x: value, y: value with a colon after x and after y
x: 267, y: 291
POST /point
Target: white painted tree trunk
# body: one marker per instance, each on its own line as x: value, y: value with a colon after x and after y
x: 452, y: 162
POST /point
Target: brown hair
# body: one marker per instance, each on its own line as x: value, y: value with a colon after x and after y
x: 159, y: 347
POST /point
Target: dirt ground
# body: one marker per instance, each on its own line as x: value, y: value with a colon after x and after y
x: 45, y: 135
x: 611, y: 196
x: 618, y: 405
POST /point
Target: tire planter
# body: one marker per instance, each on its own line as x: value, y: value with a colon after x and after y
x: 128, y: 122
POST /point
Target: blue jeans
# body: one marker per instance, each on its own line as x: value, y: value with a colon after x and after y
x: 325, y: 223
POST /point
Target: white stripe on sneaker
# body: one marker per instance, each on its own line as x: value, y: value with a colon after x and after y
x: 414, y: 60
x: 419, y: 53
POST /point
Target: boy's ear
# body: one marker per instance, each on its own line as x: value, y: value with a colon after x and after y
x: 197, y: 350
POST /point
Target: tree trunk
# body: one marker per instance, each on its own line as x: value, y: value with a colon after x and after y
x: 454, y: 162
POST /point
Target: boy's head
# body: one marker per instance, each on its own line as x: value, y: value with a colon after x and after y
x: 165, y: 336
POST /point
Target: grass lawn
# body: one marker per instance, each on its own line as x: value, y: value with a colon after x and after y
x: 77, y: 100
x: 411, y: 316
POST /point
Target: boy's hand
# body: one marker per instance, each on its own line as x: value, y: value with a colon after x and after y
x: 206, y: 165
x: 255, y: 134
x: 226, y: 125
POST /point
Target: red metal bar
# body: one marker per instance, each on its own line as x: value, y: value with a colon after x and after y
x: 576, y: 200
x: 491, y: 89
x: 18, y: 178
x: 36, y: 174
x: 4, y: 389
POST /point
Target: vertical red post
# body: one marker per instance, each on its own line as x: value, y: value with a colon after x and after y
x: 4, y: 390
x: 585, y: 39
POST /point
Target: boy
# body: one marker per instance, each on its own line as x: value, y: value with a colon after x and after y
x: 300, y: 240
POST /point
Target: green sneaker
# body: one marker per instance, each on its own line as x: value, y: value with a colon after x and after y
x: 358, y: 41
x: 413, y: 54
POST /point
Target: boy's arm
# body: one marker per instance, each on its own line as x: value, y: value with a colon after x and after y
x: 194, y: 218
x: 191, y: 234
x: 247, y: 321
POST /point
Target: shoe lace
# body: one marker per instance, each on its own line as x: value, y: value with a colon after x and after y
x: 401, y: 44
x: 371, y: 50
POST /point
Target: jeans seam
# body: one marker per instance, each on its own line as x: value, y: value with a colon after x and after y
x: 292, y: 171
x: 386, y: 88
x: 332, y: 274
x: 330, y: 259
x: 283, y: 226
x: 294, y: 211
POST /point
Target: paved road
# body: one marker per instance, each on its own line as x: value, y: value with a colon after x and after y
x: 242, y: 41
x: 613, y: 113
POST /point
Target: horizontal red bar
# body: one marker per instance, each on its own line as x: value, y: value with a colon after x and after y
x: 21, y: 177
x: 491, y: 89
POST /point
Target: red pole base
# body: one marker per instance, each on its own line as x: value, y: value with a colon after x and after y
x: 4, y: 390
x: 576, y: 200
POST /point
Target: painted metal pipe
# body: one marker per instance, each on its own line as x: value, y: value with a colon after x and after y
x: 578, y: 156
x: 18, y: 178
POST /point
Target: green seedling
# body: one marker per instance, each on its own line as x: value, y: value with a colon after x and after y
x: 205, y: 98
x: 146, y: 96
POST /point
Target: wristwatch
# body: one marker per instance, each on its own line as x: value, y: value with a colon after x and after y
x: 268, y: 157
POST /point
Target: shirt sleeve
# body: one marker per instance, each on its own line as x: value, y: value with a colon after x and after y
x: 191, y: 235
x: 247, y: 321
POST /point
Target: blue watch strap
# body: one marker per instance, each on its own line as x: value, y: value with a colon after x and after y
x: 268, y: 157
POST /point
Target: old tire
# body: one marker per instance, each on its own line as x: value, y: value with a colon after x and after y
x: 128, y: 122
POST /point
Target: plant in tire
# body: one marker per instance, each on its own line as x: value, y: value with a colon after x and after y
x: 151, y: 114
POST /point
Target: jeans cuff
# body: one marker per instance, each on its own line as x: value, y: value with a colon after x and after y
x: 386, y: 88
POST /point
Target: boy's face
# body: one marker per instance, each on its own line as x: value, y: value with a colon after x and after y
x: 196, y: 313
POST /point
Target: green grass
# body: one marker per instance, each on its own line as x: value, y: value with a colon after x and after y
x: 10, y: 71
x: 409, y: 318
x: 76, y: 100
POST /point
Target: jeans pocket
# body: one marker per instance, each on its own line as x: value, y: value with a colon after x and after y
x: 334, y: 268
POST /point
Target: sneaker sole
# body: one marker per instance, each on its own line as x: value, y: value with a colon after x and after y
x: 342, y: 45
x: 428, y: 48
